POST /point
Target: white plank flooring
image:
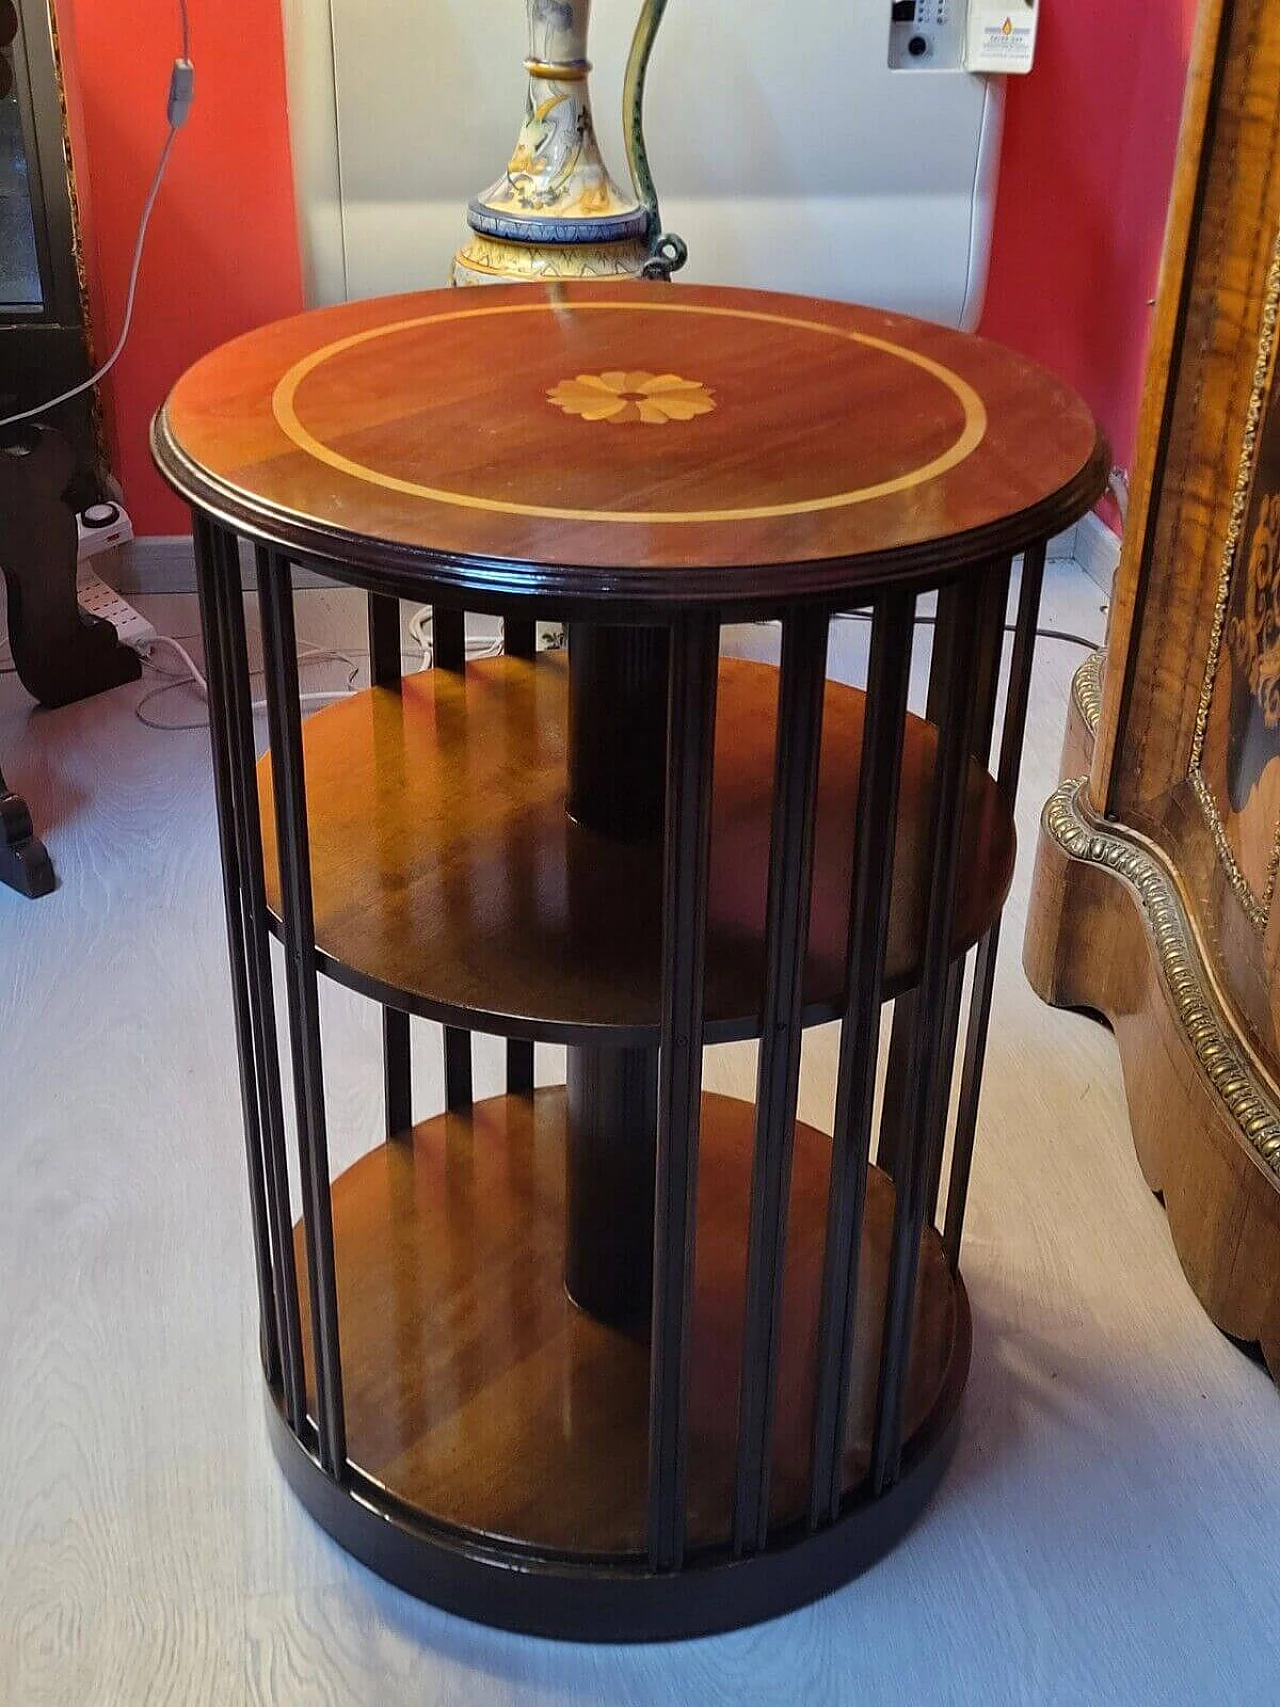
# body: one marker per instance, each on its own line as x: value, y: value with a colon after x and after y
x: 1109, y: 1531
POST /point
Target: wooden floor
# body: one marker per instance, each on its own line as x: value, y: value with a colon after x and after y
x: 1109, y: 1530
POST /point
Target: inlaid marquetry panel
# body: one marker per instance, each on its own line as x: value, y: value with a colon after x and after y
x: 1235, y: 763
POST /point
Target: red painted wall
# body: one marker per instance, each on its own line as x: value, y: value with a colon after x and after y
x: 222, y: 252
x: 1090, y: 138
x: 1088, y: 158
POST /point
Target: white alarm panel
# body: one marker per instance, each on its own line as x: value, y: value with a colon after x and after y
x: 927, y: 35
x: 787, y: 149
x: 998, y: 36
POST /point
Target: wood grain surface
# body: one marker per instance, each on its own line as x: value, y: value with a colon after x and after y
x: 480, y: 1394
x: 1106, y: 1533
x: 1225, y: 215
x: 445, y: 866
x: 1187, y: 755
x: 471, y: 439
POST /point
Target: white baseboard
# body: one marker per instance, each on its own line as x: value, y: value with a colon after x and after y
x: 1062, y: 546
x: 1092, y: 545
x: 1097, y: 551
x: 159, y: 563
x: 166, y: 563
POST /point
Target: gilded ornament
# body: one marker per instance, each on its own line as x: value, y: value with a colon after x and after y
x: 1086, y: 690
x: 1237, y: 1080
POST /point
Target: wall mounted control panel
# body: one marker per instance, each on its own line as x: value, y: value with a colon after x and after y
x: 927, y: 35
x: 963, y: 35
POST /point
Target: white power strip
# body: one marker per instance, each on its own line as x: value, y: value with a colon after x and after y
x: 100, y: 528
x: 96, y: 597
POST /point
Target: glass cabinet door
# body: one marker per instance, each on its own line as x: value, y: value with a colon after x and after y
x: 20, y: 285
x: 44, y: 348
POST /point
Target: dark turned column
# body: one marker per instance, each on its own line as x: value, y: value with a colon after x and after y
x: 618, y: 729
x: 613, y: 1128
x: 617, y: 767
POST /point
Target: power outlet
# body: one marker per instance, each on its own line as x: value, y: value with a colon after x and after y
x: 96, y: 597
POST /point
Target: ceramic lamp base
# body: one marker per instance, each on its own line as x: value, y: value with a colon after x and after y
x: 491, y: 260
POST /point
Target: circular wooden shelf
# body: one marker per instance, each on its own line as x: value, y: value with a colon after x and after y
x: 480, y: 1396
x: 448, y: 878
x: 629, y: 441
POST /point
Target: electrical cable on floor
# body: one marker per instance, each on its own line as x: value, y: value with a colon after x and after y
x: 419, y: 630
x: 195, y: 681
x: 1066, y: 637
x: 1063, y: 634
x: 203, y: 723
x: 194, y: 669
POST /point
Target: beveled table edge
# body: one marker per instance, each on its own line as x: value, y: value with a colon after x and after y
x: 492, y: 584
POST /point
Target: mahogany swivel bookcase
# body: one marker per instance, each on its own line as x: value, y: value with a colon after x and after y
x: 621, y: 1359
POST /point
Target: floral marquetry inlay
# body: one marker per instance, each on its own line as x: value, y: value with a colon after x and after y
x: 617, y: 397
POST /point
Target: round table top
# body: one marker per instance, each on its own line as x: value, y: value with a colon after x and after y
x: 689, y: 443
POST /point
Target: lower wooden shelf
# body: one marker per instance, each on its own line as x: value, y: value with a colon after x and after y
x: 477, y: 1393
x: 448, y: 878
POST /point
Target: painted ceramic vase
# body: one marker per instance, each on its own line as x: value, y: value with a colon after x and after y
x: 556, y: 212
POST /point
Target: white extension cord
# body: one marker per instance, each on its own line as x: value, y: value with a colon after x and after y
x: 421, y: 633
x: 478, y: 646
x: 98, y: 599
x: 193, y: 677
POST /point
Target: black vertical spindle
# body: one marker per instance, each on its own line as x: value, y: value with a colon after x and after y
x: 690, y: 749
x: 955, y: 658
x: 871, y: 891
x: 397, y: 1072
x: 802, y: 683
x: 975, y: 1045
x: 993, y: 601
x: 297, y: 919
x: 519, y: 640
x: 458, y: 1088
x: 239, y: 927
x: 385, y: 662
x: 519, y: 1067
x: 385, y: 671
x: 519, y: 637
x: 449, y: 652
x: 448, y: 639
x: 894, y: 1132
x: 894, y: 1114
x: 228, y: 613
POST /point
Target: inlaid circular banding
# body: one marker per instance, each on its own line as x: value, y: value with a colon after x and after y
x: 845, y: 445
x: 962, y: 399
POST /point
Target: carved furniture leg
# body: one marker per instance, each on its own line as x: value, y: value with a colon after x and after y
x: 61, y: 653
x: 24, y: 864
x: 1108, y: 931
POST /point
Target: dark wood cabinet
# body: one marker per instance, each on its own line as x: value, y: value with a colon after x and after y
x: 44, y: 336
x: 1155, y: 896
